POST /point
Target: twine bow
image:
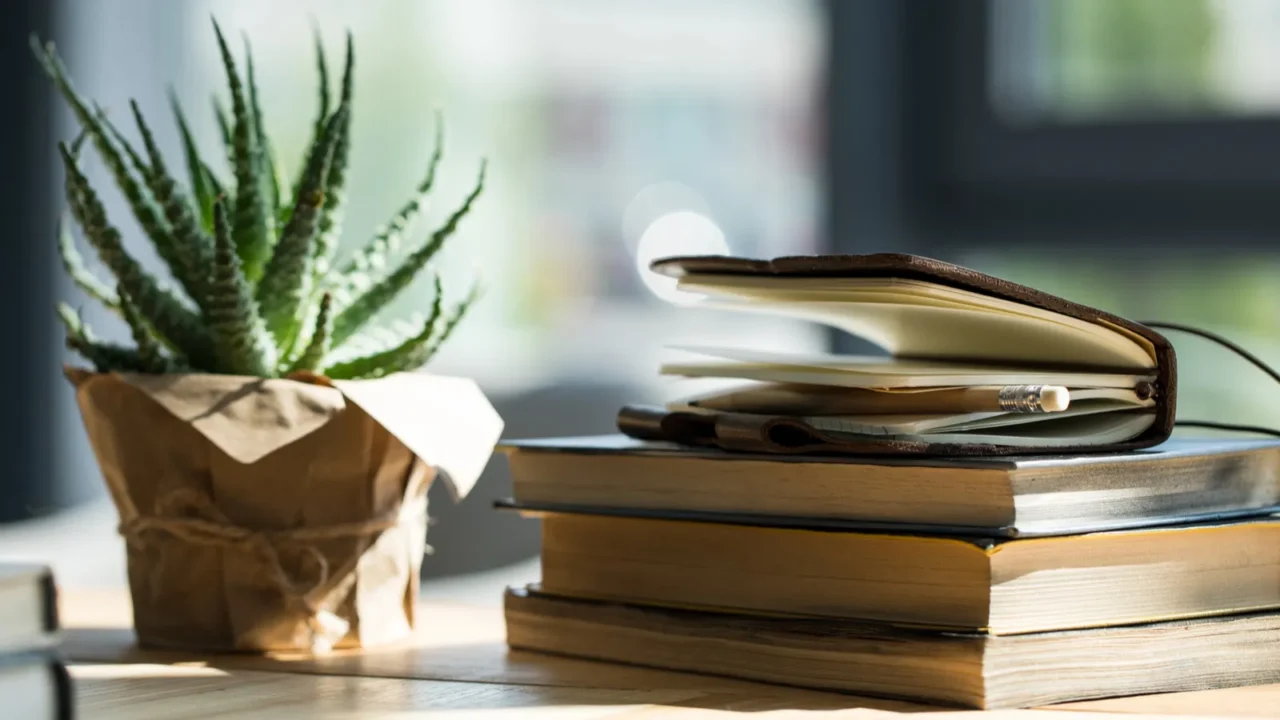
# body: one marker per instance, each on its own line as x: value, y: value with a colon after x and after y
x: 190, y: 516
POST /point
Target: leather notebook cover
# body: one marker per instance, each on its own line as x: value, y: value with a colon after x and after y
x: 783, y: 434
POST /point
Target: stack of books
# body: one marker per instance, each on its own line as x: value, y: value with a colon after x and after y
x: 34, y: 681
x: 993, y: 515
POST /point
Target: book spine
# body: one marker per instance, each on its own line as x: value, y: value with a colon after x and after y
x: 64, y: 691
x: 49, y: 591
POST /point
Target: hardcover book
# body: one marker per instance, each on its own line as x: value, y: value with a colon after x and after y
x: 966, y: 669
x: 34, y: 681
x: 1003, y: 587
x: 1178, y: 481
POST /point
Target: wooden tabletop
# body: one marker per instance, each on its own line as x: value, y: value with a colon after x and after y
x: 458, y: 666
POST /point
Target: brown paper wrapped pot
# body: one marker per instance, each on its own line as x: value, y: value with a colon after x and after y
x: 275, y: 514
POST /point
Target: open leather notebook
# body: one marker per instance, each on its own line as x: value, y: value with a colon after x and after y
x: 975, y: 365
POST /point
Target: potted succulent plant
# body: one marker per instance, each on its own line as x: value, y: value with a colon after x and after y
x: 268, y: 457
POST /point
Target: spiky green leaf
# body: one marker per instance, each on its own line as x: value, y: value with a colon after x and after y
x: 357, y: 273
x: 171, y: 319
x: 281, y: 196
x: 69, y: 185
x: 78, y: 271
x: 78, y: 142
x: 72, y: 261
x: 135, y: 159
x: 318, y: 346
x: 150, y: 353
x: 192, y: 248
x: 376, y: 338
x: 106, y: 357
x: 254, y: 224
x: 255, y: 107
x: 335, y: 186
x: 270, y: 166
x: 286, y: 284
x: 367, y: 304
x: 410, y: 354
x: 322, y: 70
x: 154, y: 156
x: 141, y: 202
x: 322, y: 112
x: 216, y: 186
x: 455, y: 317
x: 243, y: 345
x: 224, y: 130
x: 202, y: 194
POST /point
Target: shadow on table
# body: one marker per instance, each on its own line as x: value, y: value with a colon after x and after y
x: 489, y: 662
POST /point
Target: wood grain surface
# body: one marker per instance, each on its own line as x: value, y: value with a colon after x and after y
x: 457, y: 665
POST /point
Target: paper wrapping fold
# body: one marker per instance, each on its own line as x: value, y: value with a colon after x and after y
x: 276, y: 514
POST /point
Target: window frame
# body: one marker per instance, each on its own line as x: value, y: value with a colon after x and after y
x: 962, y: 178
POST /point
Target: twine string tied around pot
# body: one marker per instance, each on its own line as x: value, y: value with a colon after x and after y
x: 191, y: 516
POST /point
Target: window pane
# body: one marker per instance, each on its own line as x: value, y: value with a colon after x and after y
x: 614, y: 130
x: 603, y: 122
x: 1073, y: 60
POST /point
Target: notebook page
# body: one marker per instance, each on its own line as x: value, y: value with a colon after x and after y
x: 958, y: 334
x: 887, y: 375
x: 903, y: 316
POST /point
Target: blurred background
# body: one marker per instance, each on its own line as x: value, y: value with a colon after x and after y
x: 1123, y: 153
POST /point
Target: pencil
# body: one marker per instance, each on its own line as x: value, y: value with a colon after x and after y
x: 817, y: 400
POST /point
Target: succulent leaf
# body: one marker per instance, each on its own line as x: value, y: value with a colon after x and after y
x: 141, y: 202
x: 78, y: 142
x: 336, y: 180
x: 202, y: 194
x: 242, y: 343
x: 150, y: 353
x: 106, y: 357
x: 224, y: 129
x: 192, y: 249
x: 322, y: 70
x: 348, y: 72
x: 254, y: 223
x: 459, y: 311
x: 376, y: 338
x: 281, y: 197
x: 69, y: 184
x: 216, y: 186
x: 318, y: 345
x: 154, y: 156
x: 322, y: 113
x: 139, y: 165
x: 73, y: 263
x: 171, y: 319
x: 356, y: 274
x: 286, y: 283
x: 371, y: 301
x: 410, y: 354
x: 270, y: 167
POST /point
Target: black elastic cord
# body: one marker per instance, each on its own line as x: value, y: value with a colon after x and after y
x: 1221, y: 341
x: 1253, y: 359
x: 1227, y: 426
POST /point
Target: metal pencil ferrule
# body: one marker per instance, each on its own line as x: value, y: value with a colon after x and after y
x: 1021, y: 398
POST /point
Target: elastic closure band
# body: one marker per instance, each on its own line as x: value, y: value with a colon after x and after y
x: 1253, y: 359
